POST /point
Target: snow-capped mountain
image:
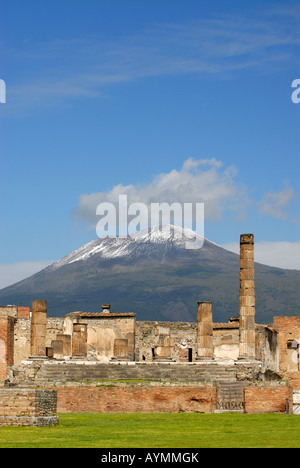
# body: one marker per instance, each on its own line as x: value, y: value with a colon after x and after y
x: 143, y: 242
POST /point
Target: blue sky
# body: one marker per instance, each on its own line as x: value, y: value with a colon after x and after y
x: 165, y: 100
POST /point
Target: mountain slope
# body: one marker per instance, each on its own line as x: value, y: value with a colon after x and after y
x: 155, y: 276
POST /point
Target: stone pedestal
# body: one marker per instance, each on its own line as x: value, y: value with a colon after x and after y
x: 205, y: 348
x: 79, y: 340
x: 162, y: 354
x: 163, y: 349
x: 120, y: 350
x: 65, y: 346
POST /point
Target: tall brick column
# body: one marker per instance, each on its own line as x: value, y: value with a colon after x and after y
x: 247, y: 298
x: 38, y: 328
x: 205, y: 348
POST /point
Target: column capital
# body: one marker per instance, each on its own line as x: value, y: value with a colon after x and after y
x: 247, y: 239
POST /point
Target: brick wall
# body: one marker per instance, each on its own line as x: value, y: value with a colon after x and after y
x: 293, y: 379
x: 288, y: 337
x: 23, y: 312
x: 268, y: 399
x: 130, y: 399
x: 38, y: 407
x: 6, y: 345
x: 26, y: 407
x: 146, y: 399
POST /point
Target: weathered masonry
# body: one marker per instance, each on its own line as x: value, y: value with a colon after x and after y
x: 238, y: 359
x: 28, y: 407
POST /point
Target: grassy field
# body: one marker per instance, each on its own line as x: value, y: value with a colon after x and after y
x: 159, y: 431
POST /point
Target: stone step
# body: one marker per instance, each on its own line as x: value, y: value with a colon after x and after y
x: 78, y: 371
x: 83, y: 373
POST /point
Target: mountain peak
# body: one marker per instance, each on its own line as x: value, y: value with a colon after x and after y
x: 164, y: 233
x: 114, y: 247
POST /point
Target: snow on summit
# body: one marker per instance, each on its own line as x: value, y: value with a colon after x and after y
x: 113, y: 247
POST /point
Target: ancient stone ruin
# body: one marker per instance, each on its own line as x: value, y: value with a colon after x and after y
x: 152, y: 366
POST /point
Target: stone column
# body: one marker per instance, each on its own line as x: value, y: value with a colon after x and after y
x: 38, y: 328
x: 205, y: 348
x: 247, y: 298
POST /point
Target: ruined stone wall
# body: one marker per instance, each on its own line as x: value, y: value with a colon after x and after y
x: 182, y: 339
x: 23, y: 312
x: 289, y: 343
x: 266, y: 346
x: 54, y: 327
x: 167, y: 399
x: 22, y: 340
x: 226, y: 341
x: 268, y: 399
x: 113, y: 335
x: 137, y: 399
x: 6, y: 345
x: 153, y: 338
x: 102, y: 332
x: 11, y: 311
x: 22, y: 336
x: 27, y: 407
x: 15, y: 338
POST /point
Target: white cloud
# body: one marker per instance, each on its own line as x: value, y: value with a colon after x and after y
x: 198, y: 181
x: 277, y: 254
x: 216, y: 46
x: 11, y: 273
x: 275, y: 203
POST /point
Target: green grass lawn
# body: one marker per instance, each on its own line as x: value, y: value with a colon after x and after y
x: 159, y: 431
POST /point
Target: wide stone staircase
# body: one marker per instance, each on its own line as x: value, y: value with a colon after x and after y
x: 230, y: 379
x: 50, y: 373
